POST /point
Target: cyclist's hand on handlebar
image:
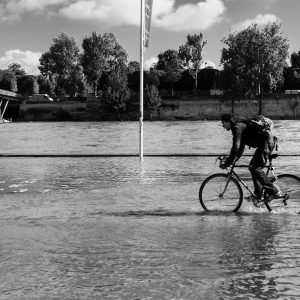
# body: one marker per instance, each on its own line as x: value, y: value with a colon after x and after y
x: 222, y: 165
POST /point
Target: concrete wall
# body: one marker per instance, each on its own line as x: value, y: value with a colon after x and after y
x: 214, y: 108
x: 175, y: 109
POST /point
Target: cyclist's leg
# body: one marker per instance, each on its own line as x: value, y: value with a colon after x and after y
x: 259, y: 161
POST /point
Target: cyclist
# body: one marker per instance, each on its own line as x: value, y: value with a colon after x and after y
x: 244, y: 134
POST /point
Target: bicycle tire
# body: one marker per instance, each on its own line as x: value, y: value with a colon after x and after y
x: 289, y: 184
x: 211, y: 197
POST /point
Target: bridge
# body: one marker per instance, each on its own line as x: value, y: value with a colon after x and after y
x: 5, y: 97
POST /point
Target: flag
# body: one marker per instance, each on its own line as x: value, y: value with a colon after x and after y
x: 148, y: 14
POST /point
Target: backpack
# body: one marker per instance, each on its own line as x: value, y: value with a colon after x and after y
x: 261, y: 123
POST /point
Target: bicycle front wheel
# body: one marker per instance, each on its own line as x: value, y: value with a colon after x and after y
x: 220, y: 193
x: 290, y: 186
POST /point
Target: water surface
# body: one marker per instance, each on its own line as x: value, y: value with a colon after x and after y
x: 111, y: 228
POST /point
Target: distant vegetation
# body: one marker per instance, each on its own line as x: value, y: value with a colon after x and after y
x: 253, y: 61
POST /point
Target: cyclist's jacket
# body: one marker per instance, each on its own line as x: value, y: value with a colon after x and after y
x: 245, y: 135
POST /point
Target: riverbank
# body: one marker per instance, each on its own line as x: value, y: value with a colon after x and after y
x: 183, y: 108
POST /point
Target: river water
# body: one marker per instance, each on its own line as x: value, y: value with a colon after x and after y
x: 116, y: 228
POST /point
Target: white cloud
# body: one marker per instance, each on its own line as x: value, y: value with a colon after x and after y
x: 28, y: 60
x: 180, y: 17
x: 113, y: 13
x: 198, y: 16
x: 20, y: 6
x: 13, y: 9
x: 260, y: 20
x: 149, y: 62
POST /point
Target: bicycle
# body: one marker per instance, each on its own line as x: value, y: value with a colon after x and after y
x: 223, y: 192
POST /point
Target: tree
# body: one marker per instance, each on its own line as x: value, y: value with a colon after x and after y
x: 133, y: 66
x: 191, y: 54
x: 61, y: 62
x: 170, y: 63
x: 27, y: 84
x: 8, y: 81
x: 73, y: 84
x: 101, y: 54
x: 46, y: 87
x: 254, y: 57
x: 115, y: 90
x: 294, y: 71
x: 295, y: 59
x: 153, y: 100
x: 16, y: 69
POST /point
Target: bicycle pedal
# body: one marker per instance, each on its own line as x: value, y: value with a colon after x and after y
x: 258, y: 203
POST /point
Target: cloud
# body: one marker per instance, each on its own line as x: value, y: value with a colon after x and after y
x: 167, y: 14
x: 198, y: 16
x: 149, y: 62
x: 13, y: 9
x: 260, y: 20
x: 28, y: 60
x: 112, y: 13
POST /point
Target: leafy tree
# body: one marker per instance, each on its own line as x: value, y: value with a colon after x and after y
x: 153, y: 100
x: 133, y: 66
x: 295, y: 59
x: 115, y: 90
x: 74, y: 83
x: 293, y: 72
x: 61, y: 62
x: 253, y: 58
x: 152, y: 77
x: 16, y: 69
x: 186, y: 82
x: 61, y: 58
x: 170, y: 63
x: 101, y: 54
x: 27, y: 84
x: 8, y: 81
x: 191, y: 54
x: 45, y: 85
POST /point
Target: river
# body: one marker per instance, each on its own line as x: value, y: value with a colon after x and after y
x: 114, y: 228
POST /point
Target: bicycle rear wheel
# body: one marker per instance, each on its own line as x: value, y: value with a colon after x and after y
x: 215, y: 196
x: 289, y: 185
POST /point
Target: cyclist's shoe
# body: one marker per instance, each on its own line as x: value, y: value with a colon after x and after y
x: 256, y: 201
x: 251, y: 198
x: 278, y: 195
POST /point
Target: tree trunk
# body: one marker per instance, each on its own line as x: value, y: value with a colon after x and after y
x: 95, y: 85
x: 260, y: 99
x: 196, y: 80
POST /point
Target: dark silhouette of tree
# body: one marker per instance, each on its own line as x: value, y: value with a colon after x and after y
x: 101, y: 53
x: 254, y: 57
x: 61, y: 63
x: 153, y: 100
x: 27, y: 84
x: 115, y: 91
x: 170, y: 63
x: 191, y: 54
x: 8, y: 81
x: 16, y: 69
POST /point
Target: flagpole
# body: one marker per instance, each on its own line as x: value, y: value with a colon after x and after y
x: 142, y: 35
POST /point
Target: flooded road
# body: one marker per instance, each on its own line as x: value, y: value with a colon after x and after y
x: 111, y: 228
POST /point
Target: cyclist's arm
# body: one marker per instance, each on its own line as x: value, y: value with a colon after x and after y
x: 238, y: 147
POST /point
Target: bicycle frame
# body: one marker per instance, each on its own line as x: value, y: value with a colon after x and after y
x: 232, y: 173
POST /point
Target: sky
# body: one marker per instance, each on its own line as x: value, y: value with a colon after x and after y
x: 27, y: 27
